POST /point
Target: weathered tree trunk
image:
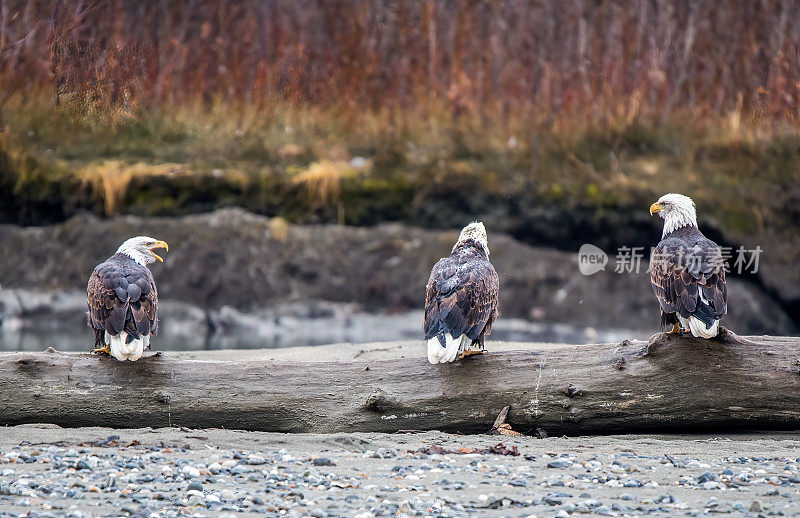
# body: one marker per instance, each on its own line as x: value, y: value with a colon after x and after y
x: 670, y: 384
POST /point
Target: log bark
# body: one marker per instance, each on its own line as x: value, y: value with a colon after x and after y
x: 670, y: 384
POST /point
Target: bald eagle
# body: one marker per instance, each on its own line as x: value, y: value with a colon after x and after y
x: 123, y: 300
x: 461, y: 298
x: 687, y: 271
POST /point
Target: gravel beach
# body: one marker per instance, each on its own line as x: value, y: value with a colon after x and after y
x: 50, y: 471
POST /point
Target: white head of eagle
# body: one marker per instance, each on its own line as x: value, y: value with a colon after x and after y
x: 140, y: 249
x: 123, y: 300
x: 477, y: 233
x: 676, y: 210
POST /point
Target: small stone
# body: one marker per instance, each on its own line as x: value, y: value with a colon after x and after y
x: 196, y: 500
x: 255, y: 460
x: 706, y: 477
x: 559, y: 463
x: 190, y: 471
x: 562, y: 514
x: 604, y: 510
x: 194, y: 486
x: 322, y: 461
x: 755, y: 507
x: 552, y: 500
x: 710, y: 485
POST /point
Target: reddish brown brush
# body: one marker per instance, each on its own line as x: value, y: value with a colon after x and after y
x: 604, y: 60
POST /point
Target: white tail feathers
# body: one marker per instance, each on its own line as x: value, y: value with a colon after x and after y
x: 698, y: 328
x: 122, y: 350
x: 439, y: 354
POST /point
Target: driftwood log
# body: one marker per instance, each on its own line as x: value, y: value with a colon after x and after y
x: 670, y: 383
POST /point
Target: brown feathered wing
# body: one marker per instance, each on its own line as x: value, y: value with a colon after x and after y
x: 683, y: 265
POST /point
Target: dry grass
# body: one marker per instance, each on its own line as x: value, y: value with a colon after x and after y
x: 322, y: 183
x: 279, y: 228
x: 111, y: 179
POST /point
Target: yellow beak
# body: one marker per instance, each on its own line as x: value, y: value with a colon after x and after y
x: 656, y: 208
x: 159, y: 244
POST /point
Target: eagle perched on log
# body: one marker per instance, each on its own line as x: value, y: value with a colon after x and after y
x: 123, y: 300
x: 687, y: 271
x: 461, y: 298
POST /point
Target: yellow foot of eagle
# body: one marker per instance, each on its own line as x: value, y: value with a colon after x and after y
x: 465, y: 354
x: 103, y: 350
x: 676, y: 330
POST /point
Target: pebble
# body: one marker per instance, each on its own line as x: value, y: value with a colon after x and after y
x: 255, y: 460
x: 190, y: 471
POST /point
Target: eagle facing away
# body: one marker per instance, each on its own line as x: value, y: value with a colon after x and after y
x: 123, y: 299
x: 687, y: 271
x: 461, y: 298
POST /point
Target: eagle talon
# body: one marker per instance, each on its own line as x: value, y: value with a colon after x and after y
x: 465, y: 354
x: 676, y: 330
x: 106, y: 349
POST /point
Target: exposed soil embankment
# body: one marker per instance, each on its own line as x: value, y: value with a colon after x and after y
x: 234, y: 258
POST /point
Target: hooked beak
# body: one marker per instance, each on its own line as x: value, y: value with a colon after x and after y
x: 656, y: 208
x: 159, y: 244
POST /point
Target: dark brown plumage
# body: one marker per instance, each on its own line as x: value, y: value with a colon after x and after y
x: 122, y: 296
x: 684, y: 265
x: 461, y: 295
